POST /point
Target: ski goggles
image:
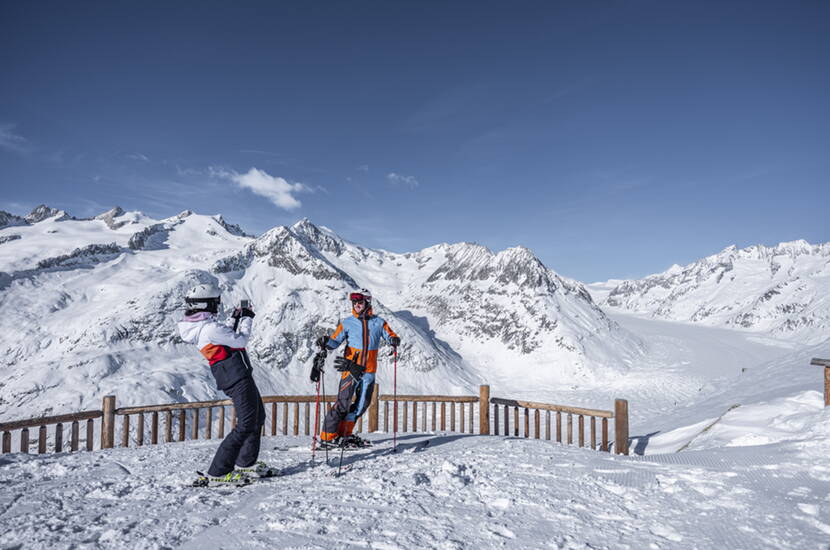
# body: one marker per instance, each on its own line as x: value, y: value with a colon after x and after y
x: 358, y: 297
x: 217, y: 300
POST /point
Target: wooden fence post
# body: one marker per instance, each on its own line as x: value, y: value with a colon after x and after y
x: 125, y: 431
x: 621, y: 426
x: 59, y: 437
x: 826, y: 364
x: 108, y: 423
x: 484, y: 410
x: 374, y: 410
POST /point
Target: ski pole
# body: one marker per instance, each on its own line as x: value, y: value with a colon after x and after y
x: 339, y: 466
x: 395, y: 407
x: 323, y: 380
x: 316, y: 423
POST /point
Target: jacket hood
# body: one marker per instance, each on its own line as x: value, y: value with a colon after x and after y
x: 191, y: 326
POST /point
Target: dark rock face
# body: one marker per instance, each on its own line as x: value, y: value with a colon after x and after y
x: 231, y: 228
x: 92, y: 254
x: 149, y: 237
x: 8, y: 220
x: 109, y: 218
x: 8, y: 238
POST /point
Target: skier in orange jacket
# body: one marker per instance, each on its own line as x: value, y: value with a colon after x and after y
x: 363, y: 332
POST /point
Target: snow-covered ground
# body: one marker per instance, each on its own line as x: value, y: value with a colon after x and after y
x: 456, y: 492
x: 752, y: 476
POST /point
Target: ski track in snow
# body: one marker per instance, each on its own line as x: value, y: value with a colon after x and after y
x: 457, y: 492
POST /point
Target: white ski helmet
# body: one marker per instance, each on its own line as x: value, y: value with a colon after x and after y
x: 361, y: 294
x: 205, y: 292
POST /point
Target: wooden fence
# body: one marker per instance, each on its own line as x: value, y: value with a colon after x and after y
x: 294, y: 415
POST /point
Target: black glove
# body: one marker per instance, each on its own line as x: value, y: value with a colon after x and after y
x: 323, y: 342
x: 395, y: 341
x: 341, y: 364
x: 317, y: 366
x: 242, y: 312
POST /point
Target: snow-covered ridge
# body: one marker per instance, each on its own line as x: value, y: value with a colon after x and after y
x: 782, y: 289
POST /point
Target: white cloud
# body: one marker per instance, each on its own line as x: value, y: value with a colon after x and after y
x: 274, y: 188
x: 11, y: 141
x: 398, y: 179
x: 363, y: 168
x: 139, y: 157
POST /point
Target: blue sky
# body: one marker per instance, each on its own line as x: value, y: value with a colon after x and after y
x: 611, y: 138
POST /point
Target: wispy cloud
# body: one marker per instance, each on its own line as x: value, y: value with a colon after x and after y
x: 186, y: 172
x: 401, y: 180
x: 363, y: 168
x: 274, y: 188
x: 13, y: 142
x: 139, y: 157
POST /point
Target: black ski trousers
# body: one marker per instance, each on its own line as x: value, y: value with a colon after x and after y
x: 241, y: 446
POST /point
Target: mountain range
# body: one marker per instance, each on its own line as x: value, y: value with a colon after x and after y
x: 783, y: 290
x: 90, y: 306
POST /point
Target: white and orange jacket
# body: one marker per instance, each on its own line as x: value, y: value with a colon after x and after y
x: 220, y: 345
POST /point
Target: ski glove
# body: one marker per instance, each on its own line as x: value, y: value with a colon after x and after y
x: 242, y: 312
x: 342, y: 364
x: 323, y: 342
x: 395, y: 341
x: 317, y: 366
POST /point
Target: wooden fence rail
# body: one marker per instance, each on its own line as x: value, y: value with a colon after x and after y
x: 61, y: 421
x: 295, y: 415
x: 524, y: 408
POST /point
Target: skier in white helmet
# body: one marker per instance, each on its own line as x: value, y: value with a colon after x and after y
x: 223, y: 345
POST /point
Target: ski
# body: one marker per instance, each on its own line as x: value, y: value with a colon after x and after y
x: 230, y: 481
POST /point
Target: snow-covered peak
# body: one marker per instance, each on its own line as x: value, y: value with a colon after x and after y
x: 318, y: 236
x: 43, y: 212
x: 113, y: 212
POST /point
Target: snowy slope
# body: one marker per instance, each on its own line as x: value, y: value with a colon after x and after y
x: 783, y: 290
x: 90, y: 306
x: 457, y: 492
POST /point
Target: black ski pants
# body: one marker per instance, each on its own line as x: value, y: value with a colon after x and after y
x: 241, y: 446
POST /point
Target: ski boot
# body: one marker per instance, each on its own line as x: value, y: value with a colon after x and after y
x: 260, y: 470
x: 356, y: 442
x: 333, y: 445
x: 232, y: 479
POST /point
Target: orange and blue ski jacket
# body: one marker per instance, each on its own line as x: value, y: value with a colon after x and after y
x: 363, y: 335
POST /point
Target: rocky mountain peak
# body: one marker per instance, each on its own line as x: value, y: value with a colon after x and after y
x: 7, y: 220
x: 322, y: 238
x: 231, y: 228
x: 43, y: 212
x: 109, y: 216
x: 113, y: 212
